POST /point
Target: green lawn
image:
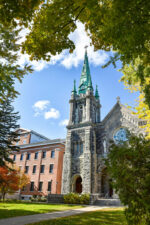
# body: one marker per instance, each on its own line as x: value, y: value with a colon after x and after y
x: 101, y: 217
x: 23, y: 209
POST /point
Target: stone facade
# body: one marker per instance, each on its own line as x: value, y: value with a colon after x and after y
x: 88, y: 139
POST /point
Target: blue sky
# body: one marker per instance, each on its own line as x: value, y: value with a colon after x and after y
x: 43, y: 102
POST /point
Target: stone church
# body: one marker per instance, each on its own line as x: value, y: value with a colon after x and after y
x: 88, y: 138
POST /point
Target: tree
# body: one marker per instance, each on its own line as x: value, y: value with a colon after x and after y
x: 8, y: 136
x: 11, y: 181
x: 141, y: 109
x: 14, y: 16
x: 112, y: 25
x: 128, y: 164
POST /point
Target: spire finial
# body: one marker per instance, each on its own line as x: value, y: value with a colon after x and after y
x: 118, y: 99
x: 74, y: 91
x: 96, y: 93
x: 86, y: 46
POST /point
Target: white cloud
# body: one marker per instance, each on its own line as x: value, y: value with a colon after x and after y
x: 80, y: 38
x: 64, y: 122
x: 41, y: 104
x: 52, y: 113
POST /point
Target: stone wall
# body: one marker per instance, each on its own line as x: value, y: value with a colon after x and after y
x: 55, y: 198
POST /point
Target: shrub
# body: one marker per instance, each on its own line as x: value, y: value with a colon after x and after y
x: 39, y: 198
x: 74, y: 198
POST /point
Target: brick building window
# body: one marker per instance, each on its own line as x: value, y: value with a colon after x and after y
x: 43, y: 155
x: 32, y: 186
x: 24, y: 141
x: 26, y: 169
x: 50, y: 186
x: 14, y: 158
x: 51, y: 167
x: 36, y: 155
x: 40, y: 186
x: 34, y: 169
x: 52, y: 153
x: 28, y: 156
x: 21, y: 156
x: 42, y: 168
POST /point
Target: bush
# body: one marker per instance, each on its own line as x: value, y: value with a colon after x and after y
x: 38, y: 198
x: 74, y: 198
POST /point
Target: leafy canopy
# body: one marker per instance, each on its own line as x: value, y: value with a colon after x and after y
x: 131, y: 82
x: 11, y: 180
x: 14, y: 16
x: 128, y: 164
x: 121, y: 26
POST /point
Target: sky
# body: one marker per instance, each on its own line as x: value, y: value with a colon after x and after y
x: 43, y: 103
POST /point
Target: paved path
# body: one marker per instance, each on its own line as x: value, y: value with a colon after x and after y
x: 22, y: 220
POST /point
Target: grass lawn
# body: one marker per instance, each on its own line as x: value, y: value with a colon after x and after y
x: 22, y: 209
x: 101, y: 217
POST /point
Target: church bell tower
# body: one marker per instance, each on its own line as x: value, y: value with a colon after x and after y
x: 80, y: 159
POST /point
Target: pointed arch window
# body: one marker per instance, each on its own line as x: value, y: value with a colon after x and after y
x: 77, y: 148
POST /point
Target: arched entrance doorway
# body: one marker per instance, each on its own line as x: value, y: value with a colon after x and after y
x: 77, y: 184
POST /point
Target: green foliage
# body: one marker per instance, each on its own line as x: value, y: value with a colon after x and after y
x: 129, y: 166
x: 36, y: 198
x: 14, y: 15
x: 74, y: 198
x: 21, y: 10
x: 9, y: 69
x: 121, y: 26
x: 8, y: 136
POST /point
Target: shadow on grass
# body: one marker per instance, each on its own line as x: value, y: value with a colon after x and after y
x: 92, y: 218
x: 8, y: 210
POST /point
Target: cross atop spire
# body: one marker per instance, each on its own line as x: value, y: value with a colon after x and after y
x: 86, y: 46
x: 85, y: 80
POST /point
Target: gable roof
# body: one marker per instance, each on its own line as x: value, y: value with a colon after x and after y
x: 122, y: 107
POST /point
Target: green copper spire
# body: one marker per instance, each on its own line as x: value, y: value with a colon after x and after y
x: 85, y: 80
x: 74, y: 91
x: 96, y: 93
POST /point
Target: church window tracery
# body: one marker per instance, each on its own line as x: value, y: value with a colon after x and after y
x: 77, y: 148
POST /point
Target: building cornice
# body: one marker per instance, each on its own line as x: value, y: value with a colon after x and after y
x: 43, y: 143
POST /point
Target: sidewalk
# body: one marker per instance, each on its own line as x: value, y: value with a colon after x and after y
x: 22, y: 220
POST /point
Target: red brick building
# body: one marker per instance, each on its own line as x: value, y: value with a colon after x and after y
x: 42, y: 160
